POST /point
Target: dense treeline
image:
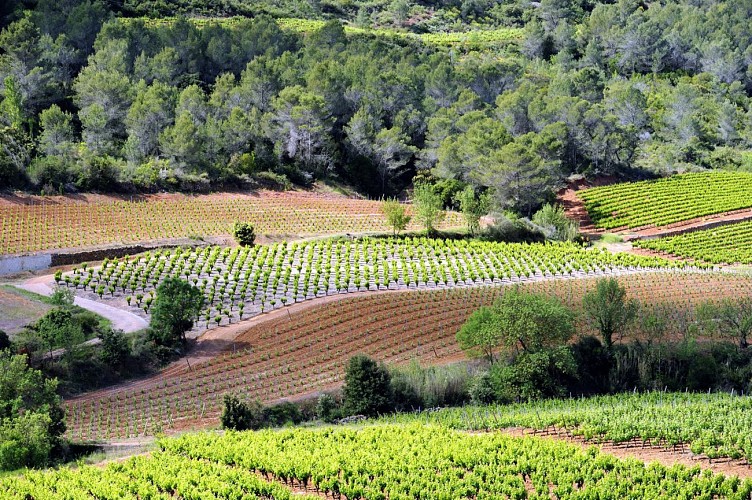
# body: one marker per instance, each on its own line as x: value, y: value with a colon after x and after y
x: 92, y: 101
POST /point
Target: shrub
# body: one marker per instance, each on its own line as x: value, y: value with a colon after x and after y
x: 326, y: 408
x: 367, y: 388
x: 244, y: 233
x: 241, y: 416
x: 535, y: 375
x: 62, y: 296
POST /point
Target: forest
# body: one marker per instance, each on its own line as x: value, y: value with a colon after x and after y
x: 109, y: 96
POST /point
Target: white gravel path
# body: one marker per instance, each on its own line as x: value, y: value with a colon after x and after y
x: 120, y: 319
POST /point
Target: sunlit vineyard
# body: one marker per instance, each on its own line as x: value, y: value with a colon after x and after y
x: 378, y: 462
x: 245, y: 281
x: 667, y: 201
x: 713, y: 425
x: 29, y: 224
x: 725, y: 244
x: 498, y: 37
x: 302, y: 353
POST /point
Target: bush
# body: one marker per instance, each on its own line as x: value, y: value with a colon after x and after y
x: 367, y: 388
x: 62, y: 296
x: 31, y: 419
x: 241, y: 416
x: 555, y: 224
x: 535, y: 375
x: 510, y: 228
x: 244, y: 233
x: 282, y: 414
x: 416, y: 387
x: 396, y: 215
x: 326, y: 408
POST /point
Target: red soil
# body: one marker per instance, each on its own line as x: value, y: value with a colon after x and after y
x: 302, y: 351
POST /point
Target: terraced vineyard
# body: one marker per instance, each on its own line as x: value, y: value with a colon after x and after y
x: 30, y: 223
x: 728, y: 244
x: 302, y: 352
x: 383, y: 461
x: 667, y: 201
x: 714, y: 425
x: 244, y: 282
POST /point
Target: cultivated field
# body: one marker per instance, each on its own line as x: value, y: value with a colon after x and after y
x: 381, y: 461
x: 667, y: 201
x: 243, y: 282
x: 301, y: 353
x: 728, y: 244
x: 31, y: 223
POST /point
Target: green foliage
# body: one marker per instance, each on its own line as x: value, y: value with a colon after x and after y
x: 62, y: 296
x: 519, y: 322
x: 31, y: 419
x: 555, y: 223
x: 367, y: 389
x: 730, y: 318
x: 416, y: 387
x: 326, y: 408
x: 241, y: 416
x: 535, y: 375
x: 480, y: 335
x: 176, y: 306
x: 396, y: 214
x: 428, y: 207
x: 473, y: 207
x: 608, y: 308
x: 244, y: 233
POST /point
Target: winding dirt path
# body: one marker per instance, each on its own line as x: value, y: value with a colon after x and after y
x: 120, y: 319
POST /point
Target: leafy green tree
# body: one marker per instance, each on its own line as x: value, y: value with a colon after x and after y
x: 151, y: 112
x: 473, y: 207
x: 730, y: 318
x: 396, y: 214
x: 480, y: 335
x: 608, y: 308
x: 57, y: 136
x: 517, y: 322
x: 244, y: 233
x: 31, y: 418
x: 427, y: 207
x: 367, y: 388
x: 175, y: 308
x: 531, y: 322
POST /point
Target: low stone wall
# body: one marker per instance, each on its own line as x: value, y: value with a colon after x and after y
x: 18, y: 264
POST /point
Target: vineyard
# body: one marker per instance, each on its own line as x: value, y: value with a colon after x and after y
x: 375, y: 462
x: 725, y: 244
x: 667, y: 201
x: 288, y: 356
x: 714, y: 425
x: 479, y: 38
x: 242, y: 282
x: 30, y: 224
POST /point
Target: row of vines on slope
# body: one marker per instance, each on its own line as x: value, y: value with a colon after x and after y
x: 667, y: 201
x: 303, y: 353
x: 376, y: 462
x: 243, y: 282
